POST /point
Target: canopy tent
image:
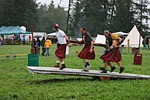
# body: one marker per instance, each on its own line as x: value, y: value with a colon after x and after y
x: 134, y: 38
x: 120, y: 33
x: 9, y: 30
x: 100, y: 39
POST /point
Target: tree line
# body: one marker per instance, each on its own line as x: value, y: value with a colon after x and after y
x: 35, y: 17
x: 95, y: 15
x: 114, y: 15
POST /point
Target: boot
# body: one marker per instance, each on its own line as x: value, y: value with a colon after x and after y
x: 62, y: 67
x: 85, y: 69
x: 104, y: 71
x: 101, y: 68
x: 112, y: 68
x: 121, y: 69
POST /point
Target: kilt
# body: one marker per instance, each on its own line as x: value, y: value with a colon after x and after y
x: 85, y: 54
x: 61, y: 51
x: 109, y: 57
x: 118, y: 55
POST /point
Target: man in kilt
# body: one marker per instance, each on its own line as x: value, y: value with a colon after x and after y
x: 60, y: 52
x: 87, y: 53
x: 112, y: 52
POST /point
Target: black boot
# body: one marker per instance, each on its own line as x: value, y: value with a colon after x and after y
x: 62, y: 67
x: 101, y: 68
x: 121, y: 69
x: 104, y: 71
x: 112, y: 68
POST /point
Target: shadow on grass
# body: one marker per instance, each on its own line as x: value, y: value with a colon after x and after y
x: 82, y: 79
x: 61, y: 80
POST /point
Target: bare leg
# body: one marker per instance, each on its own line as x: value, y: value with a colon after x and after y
x: 112, y: 67
x: 109, y: 64
x: 57, y: 58
x: 121, y: 67
x: 105, y: 67
x: 119, y: 64
x: 85, y: 61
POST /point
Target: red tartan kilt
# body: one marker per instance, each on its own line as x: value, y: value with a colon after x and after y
x: 108, y: 57
x: 118, y: 55
x: 61, y: 51
x: 85, y: 54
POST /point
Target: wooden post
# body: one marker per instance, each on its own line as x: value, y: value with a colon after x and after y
x: 32, y: 43
x: 128, y: 43
x: 139, y: 43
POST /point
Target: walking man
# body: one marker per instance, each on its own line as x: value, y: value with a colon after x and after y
x: 61, y: 47
x: 112, y: 53
x: 87, y: 53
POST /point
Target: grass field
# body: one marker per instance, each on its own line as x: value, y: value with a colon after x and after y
x: 17, y: 84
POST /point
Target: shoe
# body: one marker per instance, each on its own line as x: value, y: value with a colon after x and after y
x: 101, y: 68
x: 104, y: 71
x: 86, y: 68
x: 62, y: 67
x: 112, y: 68
x: 57, y: 65
x: 121, y: 69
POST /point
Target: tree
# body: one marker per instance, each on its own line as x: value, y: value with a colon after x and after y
x: 41, y: 12
x: 95, y: 15
x: 18, y: 12
x: 48, y: 15
x: 91, y: 15
x: 122, y: 18
x: 141, y: 14
x: 74, y: 20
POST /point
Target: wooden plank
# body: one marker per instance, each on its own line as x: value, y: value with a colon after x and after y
x: 79, y: 72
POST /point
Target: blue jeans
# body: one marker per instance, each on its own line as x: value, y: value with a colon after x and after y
x: 47, y: 52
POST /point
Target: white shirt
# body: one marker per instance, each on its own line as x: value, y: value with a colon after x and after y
x: 61, y: 37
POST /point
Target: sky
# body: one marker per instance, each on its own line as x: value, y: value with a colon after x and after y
x: 63, y: 3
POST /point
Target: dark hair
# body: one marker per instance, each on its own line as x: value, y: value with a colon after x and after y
x: 83, y: 28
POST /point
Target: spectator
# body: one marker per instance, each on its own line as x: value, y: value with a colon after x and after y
x: 48, y: 44
x: 37, y: 46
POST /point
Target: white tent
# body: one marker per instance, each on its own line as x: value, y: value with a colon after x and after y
x: 39, y: 34
x: 120, y: 33
x: 51, y: 34
x: 100, y: 39
x: 133, y: 38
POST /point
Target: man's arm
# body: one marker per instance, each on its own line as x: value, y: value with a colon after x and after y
x: 67, y: 39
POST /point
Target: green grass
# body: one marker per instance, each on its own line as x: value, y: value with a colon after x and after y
x: 17, y: 84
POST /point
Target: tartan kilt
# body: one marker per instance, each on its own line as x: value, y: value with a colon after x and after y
x: 85, y: 54
x: 61, y: 51
x: 109, y: 57
x: 118, y: 55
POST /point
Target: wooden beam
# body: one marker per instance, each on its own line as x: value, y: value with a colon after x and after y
x: 79, y: 72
